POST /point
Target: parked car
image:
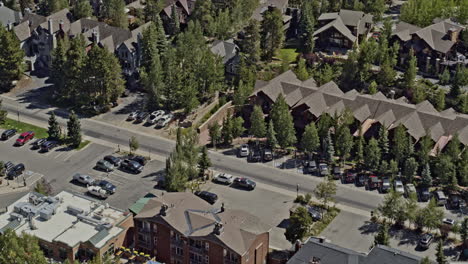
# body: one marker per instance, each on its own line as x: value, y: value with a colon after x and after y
x: 337, y: 172
x: 104, y: 165
x: 107, y: 186
x: 349, y: 176
x: 398, y: 185
x: 83, y: 179
x: 426, y: 240
x: 98, y: 192
x: 244, y: 150
x: 133, y: 115
x: 8, y: 134
x: 37, y: 144
x: 16, y: 171
x: 448, y: 221
x: 454, y: 201
x: 132, y: 166
x: 224, y: 178
x: 141, y: 117
x: 154, y: 117
x: 385, y: 186
x: 48, y: 145
x: 207, y: 196
x: 254, y: 155
x: 245, y: 183
x: 113, y: 160
x: 267, y: 155
x: 314, y: 212
x: 409, y: 188
x: 8, y: 166
x: 164, y: 120
x: 423, y: 194
x: 24, y: 138
x: 310, y: 166
x: 373, y: 182
x: 440, y: 198
x: 361, y: 180
x: 140, y: 159
x: 323, y: 168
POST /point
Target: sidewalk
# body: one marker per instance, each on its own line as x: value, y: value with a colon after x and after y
x: 18, y: 185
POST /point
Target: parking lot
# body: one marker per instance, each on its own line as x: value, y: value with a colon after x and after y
x: 60, y: 164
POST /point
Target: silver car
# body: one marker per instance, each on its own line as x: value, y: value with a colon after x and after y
x: 154, y: 117
x: 399, y: 187
x: 164, y: 120
x: 224, y: 178
x: 83, y: 178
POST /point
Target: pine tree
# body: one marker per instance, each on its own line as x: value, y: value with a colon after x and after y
x: 114, y: 11
x: 425, y: 147
x: 359, y: 147
x: 204, y: 163
x: 237, y: 128
x: 175, y: 21
x: 440, y: 100
x: 445, y: 169
x: 399, y: 143
x: 426, y: 176
x: 460, y: 80
x: 372, y: 155
x: 440, y: 256
x: 283, y: 123
x: 54, y: 127
x: 75, y: 63
x: 52, y: 6
x: 250, y: 45
x: 310, y: 139
x: 383, y: 140
x: 151, y: 68
x: 301, y: 70
x: 453, y: 148
x: 11, y: 59
x: 152, y: 10
x: 257, y: 123
x: 74, y: 130
x: 272, y: 142
x: 215, y: 134
x: 444, y: 78
x: 410, y: 168
x: 204, y: 13
x: 226, y: 131
x: 241, y: 93
x: 306, y: 27
x: 58, y: 73
x: 328, y: 147
x: 409, y: 76
x: 344, y: 142
x: 272, y: 35
x: 82, y: 9
x: 373, y: 88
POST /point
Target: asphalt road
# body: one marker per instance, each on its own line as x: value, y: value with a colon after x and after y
x: 348, y: 196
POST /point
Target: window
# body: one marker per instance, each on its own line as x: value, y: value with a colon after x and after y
x: 207, y: 246
x: 179, y: 251
x: 207, y: 259
x: 196, y: 257
x: 146, y: 226
x: 62, y: 253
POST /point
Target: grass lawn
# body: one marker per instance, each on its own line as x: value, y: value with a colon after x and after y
x: 83, y: 144
x: 287, y: 55
x: 23, y: 127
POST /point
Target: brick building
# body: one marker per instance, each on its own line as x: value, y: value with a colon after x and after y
x: 181, y: 228
x: 68, y: 226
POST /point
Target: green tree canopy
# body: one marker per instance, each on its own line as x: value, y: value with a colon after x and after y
x: 74, y: 130
x: 382, y: 237
x: 272, y: 35
x: 372, y: 154
x: 22, y: 249
x: 54, y: 127
x: 310, y: 139
x: 114, y: 12
x: 299, y: 225
x: 283, y: 123
x: 11, y: 59
x: 82, y: 9
x: 257, y: 123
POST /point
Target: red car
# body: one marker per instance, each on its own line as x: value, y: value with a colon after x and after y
x: 24, y: 138
x: 373, y: 182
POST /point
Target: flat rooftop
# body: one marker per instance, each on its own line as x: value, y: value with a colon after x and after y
x: 67, y: 218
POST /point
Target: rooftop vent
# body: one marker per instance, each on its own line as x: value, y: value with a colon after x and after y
x: 74, y: 210
x: 218, y: 229
x: 163, y: 210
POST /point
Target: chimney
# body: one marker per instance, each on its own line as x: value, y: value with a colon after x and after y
x: 297, y: 245
x: 314, y: 260
x: 9, y: 24
x: 95, y: 36
x: 61, y: 25
x: 218, y: 229
x: 392, y: 94
x: 321, y: 240
x: 1, y: 3
x: 453, y: 34
x: 51, y: 27
x: 222, y: 207
x: 163, y: 210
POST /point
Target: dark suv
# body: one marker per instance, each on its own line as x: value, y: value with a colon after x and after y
x: 8, y: 134
x: 48, y: 145
x: 131, y: 165
x: 113, y: 160
x: 16, y: 171
x: 254, y: 155
x: 423, y: 194
x: 245, y: 183
x: 207, y: 196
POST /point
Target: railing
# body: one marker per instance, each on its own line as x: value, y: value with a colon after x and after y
x: 176, y: 242
x: 198, y: 249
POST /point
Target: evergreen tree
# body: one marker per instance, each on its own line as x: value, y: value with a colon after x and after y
x: 306, y: 27
x: 82, y: 9
x: 373, y: 88
x: 359, y: 147
x: 175, y: 21
x: 257, y: 123
x: 204, y: 13
x: 462, y: 106
x: 54, y: 127
x: 372, y: 155
x: 409, y: 76
x: 444, y: 169
x: 382, y: 237
x: 74, y: 65
x: 272, y: 142
x: 425, y: 147
x: 74, y: 130
x: 114, y: 11
x: 204, y: 163
x: 237, y: 128
x: 20, y: 249
x: 464, y: 230
x: 152, y: 10
x: 226, y: 131
x: 387, y: 74
x: 344, y: 142
x: 460, y: 80
x: 399, y: 143
x: 272, y: 35
x: 425, y: 260
x: 250, y: 45
x: 444, y: 78
x: 301, y: 70
x: 394, y: 169
x: 215, y: 134
x: 310, y: 139
x: 151, y: 70
x: 328, y: 147
x: 52, y: 6
x: 383, y: 140
x: 440, y: 100
x: 410, y: 168
x: 133, y: 144
x: 11, y: 59
x: 241, y: 93
x: 440, y: 256
x: 453, y: 148
x: 58, y: 73
x: 299, y: 225
x: 410, y: 147
x: 426, y: 176
x: 383, y: 168
x: 283, y: 123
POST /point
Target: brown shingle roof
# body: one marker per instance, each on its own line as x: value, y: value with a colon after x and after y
x: 31, y: 22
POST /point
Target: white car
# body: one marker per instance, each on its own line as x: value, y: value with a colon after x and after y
x: 98, y: 192
x: 448, y: 221
x: 244, y: 150
x: 132, y: 116
x: 224, y: 178
x: 155, y: 116
x: 83, y: 178
x: 164, y: 120
x: 399, y: 187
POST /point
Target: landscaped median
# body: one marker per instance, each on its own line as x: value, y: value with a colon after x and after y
x: 23, y: 127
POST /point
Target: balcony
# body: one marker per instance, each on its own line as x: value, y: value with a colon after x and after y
x: 200, y: 250
x: 178, y: 242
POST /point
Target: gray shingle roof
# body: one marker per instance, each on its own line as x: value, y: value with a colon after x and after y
x: 8, y: 15
x: 338, y: 25
x: 225, y: 49
x: 343, y: 19
x: 386, y: 255
x: 31, y: 22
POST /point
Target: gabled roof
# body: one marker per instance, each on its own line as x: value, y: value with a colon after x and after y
x: 225, y: 49
x: 31, y: 22
x: 387, y: 255
x: 339, y: 26
x: 404, y: 30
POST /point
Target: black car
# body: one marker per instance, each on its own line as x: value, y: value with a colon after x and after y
x: 314, y: 212
x: 245, y: 183
x: 113, y: 160
x: 142, y: 116
x: 254, y: 156
x: 454, y: 201
x: 207, y: 196
x: 16, y: 171
x: 423, y: 194
x: 361, y: 180
x: 267, y: 155
x: 131, y: 165
x: 48, y: 145
x: 140, y: 159
x: 107, y: 186
x: 37, y: 144
x: 8, y: 134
